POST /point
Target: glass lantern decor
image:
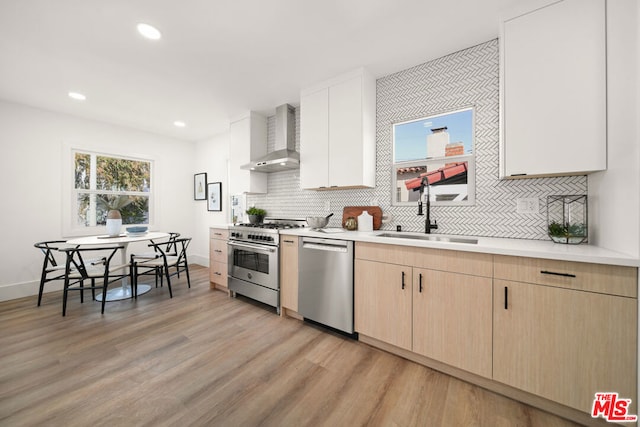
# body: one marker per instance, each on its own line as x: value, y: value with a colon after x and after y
x: 567, y: 219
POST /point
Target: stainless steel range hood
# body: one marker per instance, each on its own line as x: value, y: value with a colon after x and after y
x: 284, y: 157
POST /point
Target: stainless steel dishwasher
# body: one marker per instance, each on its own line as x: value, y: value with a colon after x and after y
x: 325, y: 282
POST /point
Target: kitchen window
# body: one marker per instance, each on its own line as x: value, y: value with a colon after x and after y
x: 102, y: 182
x: 438, y: 149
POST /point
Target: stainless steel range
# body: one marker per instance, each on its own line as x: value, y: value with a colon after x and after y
x: 254, y: 259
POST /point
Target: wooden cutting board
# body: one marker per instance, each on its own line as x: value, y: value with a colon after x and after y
x: 355, y: 211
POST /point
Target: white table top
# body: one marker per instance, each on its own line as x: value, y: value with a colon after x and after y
x: 103, y: 239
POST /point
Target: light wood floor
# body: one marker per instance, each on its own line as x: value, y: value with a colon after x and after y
x: 203, y: 359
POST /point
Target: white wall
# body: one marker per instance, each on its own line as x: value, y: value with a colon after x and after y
x: 614, y: 194
x: 32, y: 142
x: 212, y: 157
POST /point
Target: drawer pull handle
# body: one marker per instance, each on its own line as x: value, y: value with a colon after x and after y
x: 217, y: 273
x: 403, y: 280
x: 288, y: 241
x: 557, y: 274
x: 506, y: 298
x: 420, y: 282
x: 218, y: 250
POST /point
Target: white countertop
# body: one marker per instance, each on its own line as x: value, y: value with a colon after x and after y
x: 493, y: 245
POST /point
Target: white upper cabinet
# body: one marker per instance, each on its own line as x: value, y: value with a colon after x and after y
x: 314, y: 139
x: 337, y: 133
x: 553, y: 89
x: 248, y: 140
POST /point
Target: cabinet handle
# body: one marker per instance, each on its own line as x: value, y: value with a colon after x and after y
x: 403, y: 280
x: 420, y: 282
x: 218, y: 234
x: 288, y: 241
x: 506, y: 298
x: 217, y: 273
x: 557, y: 274
x: 217, y: 250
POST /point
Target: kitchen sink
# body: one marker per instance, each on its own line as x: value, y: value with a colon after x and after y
x: 430, y: 237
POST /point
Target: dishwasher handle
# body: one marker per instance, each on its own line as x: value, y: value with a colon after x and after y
x: 325, y: 244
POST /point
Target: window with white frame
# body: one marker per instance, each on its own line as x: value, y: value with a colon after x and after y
x: 103, y: 182
x: 438, y: 150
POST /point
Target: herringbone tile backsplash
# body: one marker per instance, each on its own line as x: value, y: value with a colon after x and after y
x: 465, y: 78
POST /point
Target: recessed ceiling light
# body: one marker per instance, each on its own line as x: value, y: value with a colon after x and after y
x: 179, y: 124
x: 77, y: 96
x: 149, y: 32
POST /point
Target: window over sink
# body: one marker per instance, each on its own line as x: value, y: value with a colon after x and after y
x: 438, y: 149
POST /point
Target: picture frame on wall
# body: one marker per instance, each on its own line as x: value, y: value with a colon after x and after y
x: 214, y: 199
x: 200, y: 186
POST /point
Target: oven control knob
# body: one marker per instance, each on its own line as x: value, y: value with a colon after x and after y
x: 270, y: 238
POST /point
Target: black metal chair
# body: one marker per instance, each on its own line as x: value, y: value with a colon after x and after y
x: 160, y: 263
x: 100, y: 272
x: 171, y: 248
x: 52, y: 269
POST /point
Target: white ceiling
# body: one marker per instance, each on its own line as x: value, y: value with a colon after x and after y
x: 217, y: 58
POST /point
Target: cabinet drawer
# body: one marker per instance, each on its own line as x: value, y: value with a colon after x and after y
x: 390, y: 254
x: 218, y: 250
x: 219, y: 233
x: 476, y: 264
x: 218, y: 273
x: 606, y: 279
x: 291, y: 241
x: 472, y: 263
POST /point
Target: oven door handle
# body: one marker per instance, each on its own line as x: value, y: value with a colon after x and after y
x: 250, y: 246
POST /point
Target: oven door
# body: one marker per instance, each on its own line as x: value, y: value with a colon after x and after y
x: 254, y: 263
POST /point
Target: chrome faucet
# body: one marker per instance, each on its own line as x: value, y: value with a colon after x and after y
x: 428, y: 226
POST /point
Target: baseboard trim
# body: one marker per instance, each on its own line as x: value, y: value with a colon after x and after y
x: 26, y: 289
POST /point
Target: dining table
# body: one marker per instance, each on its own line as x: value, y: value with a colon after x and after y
x: 124, y: 291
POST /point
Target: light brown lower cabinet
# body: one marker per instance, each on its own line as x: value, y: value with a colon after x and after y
x: 218, y: 238
x: 382, y: 301
x: 554, y: 329
x: 288, y: 273
x: 562, y: 344
x: 442, y: 315
x: 452, y: 319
